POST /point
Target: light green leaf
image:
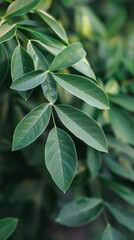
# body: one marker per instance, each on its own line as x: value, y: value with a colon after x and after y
x: 49, y: 89
x: 68, y: 56
x: 7, y: 32
x: 29, y: 81
x: 119, y: 119
x: 20, y: 7
x: 124, y: 101
x: 21, y: 63
x: 111, y: 233
x: 80, y: 212
x: 122, y: 216
x: 40, y: 61
x: 61, y: 158
x: 7, y: 227
x: 82, y: 126
x: 125, y: 170
x: 4, y: 63
x: 53, y: 25
x: 84, y: 67
x: 84, y: 89
x: 122, y: 191
x: 31, y: 126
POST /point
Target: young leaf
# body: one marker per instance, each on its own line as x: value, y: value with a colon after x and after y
x: 7, y: 32
x: 123, y: 171
x: 49, y: 89
x: 119, y: 119
x: 40, y: 61
x: 80, y: 212
x: 111, y: 233
x: 29, y: 81
x: 31, y: 126
x: 61, y: 158
x: 123, y: 217
x: 83, y: 88
x: 68, y: 56
x: 20, y: 7
x: 82, y: 126
x: 53, y: 25
x: 4, y: 63
x: 7, y: 227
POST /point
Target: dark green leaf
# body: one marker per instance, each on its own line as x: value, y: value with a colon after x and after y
x: 31, y: 126
x: 93, y: 163
x: 7, y: 32
x: 111, y: 233
x: 82, y: 126
x: 20, y: 7
x: 29, y: 80
x: 4, y: 63
x: 68, y: 56
x: 49, y: 89
x: 84, y: 89
x: 80, y: 212
x: 61, y: 158
x: 124, y: 101
x: 7, y: 227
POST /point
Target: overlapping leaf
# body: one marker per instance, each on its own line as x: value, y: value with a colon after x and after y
x: 49, y: 89
x: 61, y: 158
x: 31, y: 126
x: 82, y: 126
x: 7, y: 31
x: 111, y: 233
x: 84, y: 89
x: 7, y: 227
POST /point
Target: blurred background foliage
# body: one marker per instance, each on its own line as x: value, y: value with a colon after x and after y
x: 106, y: 29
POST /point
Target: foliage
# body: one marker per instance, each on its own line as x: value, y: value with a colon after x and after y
x: 53, y: 98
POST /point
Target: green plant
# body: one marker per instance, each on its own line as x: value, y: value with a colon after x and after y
x: 45, y: 68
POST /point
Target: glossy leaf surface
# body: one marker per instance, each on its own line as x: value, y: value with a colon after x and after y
x: 84, y: 89
x: 61, y: 158
x: 7, y: 32
x: 7, y: 227
x: 68, y: 56
x: 82, y: 126
x: 80, y: 212
x: 31, y: 126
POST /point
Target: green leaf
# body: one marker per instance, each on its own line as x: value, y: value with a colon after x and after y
x: 7, y: 227
x: 53, y: 25
x: 7, y: 31
x: 4, y: 63
x: 82, y: 126
x: 84, y: 89
x: 61, y: 158
x: 40, y: 61
x: 123, y: 217
x: 111, y: 233
x: 20, y: 7
x: 29, y: 81
x: 49, y: 89
x: 84, y: 67
x: 31, y: 126
x: 93, y: 163
x: 124, y: 101
x: 68, y: 56
x: 21, y: 63
x: 80, y: 212
x: 119, y: 119
x: 122, y: 191
x: 125, y: 170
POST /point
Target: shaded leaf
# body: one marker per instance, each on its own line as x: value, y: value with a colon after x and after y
x: 49, y: 89
x: 84, y: 89
x: 31, y: 126
x: 124, y: 101
x: 61, y: 158
x: 80, y: 212
x: 111, y: 233
x: 93, y: 163
x: 68, y: 56
x: 4, y: 63
x: 82, y: 126
x: 7, y: 227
